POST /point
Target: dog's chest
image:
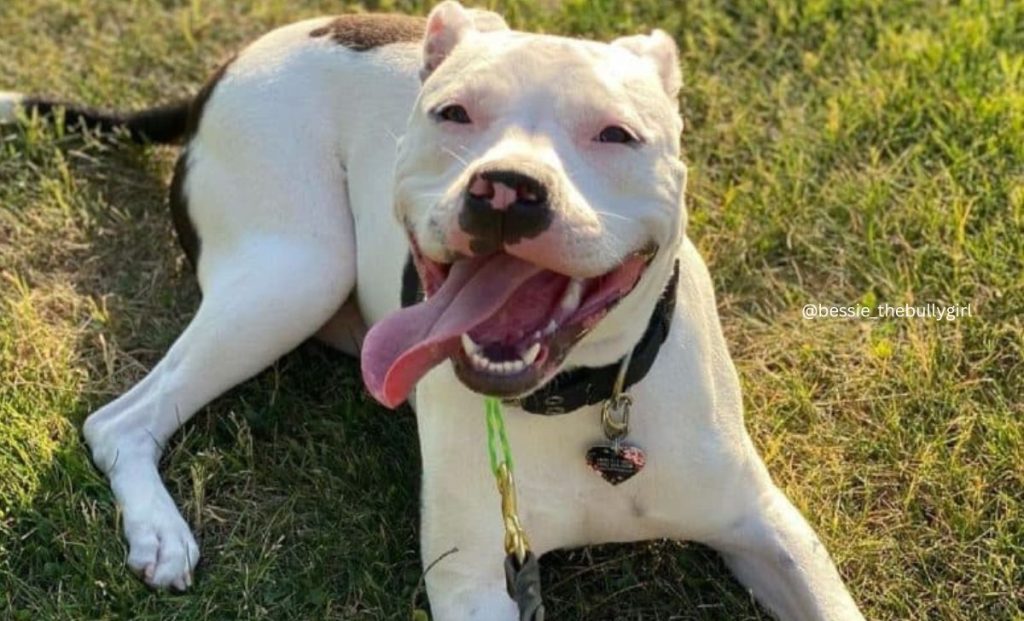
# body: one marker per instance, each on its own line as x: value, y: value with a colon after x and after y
x: 562, y: 501
x: 564, y: 498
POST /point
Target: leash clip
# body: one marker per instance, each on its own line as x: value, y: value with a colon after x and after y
x: 515, y: 538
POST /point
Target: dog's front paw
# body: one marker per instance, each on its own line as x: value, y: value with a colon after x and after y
x: 162, y: 550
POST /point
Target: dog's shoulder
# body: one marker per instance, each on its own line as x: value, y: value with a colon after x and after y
x: 362, y: 32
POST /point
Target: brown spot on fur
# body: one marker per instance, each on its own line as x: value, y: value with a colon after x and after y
x: 367, y: 31
x: 187, y: 236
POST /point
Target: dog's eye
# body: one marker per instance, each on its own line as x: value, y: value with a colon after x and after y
x: 453, y: 114
x: 614, y: 133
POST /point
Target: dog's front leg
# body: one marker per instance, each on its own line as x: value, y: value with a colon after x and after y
x: 462, y: 537
x: 461, y: 527
x: 776, y: 554
x: 258, y: 303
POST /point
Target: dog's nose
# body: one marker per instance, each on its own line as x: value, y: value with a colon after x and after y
x: 502, y: 188
x: 502, y: 207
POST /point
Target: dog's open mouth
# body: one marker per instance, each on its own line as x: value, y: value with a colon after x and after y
x: 506, y: 324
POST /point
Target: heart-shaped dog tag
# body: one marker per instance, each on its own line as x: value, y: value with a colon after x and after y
x: 616, y: 464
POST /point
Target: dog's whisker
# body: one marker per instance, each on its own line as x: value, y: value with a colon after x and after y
x: 456, y: 156
x: 612, y: 215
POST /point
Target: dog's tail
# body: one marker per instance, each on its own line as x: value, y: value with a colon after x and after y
x: 165, y: 124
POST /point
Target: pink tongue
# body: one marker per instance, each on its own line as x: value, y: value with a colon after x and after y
x: 401, y: 348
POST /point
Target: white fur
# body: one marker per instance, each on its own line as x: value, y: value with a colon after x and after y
x: 9, y: 103
x: 300, y: 152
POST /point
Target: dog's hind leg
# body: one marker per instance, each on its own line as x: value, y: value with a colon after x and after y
x: 270, y: 294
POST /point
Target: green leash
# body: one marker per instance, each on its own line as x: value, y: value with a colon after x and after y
x: 496, y: 438
x: 522, y: 571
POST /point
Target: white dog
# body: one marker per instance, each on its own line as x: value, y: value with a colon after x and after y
x: 534, y: 183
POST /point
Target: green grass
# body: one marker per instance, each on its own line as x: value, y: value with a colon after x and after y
x: 840, y: 151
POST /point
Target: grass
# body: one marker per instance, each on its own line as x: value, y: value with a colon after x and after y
x: 841, y: 151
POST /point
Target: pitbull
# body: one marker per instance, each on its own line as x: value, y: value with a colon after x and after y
x: 528, y: 192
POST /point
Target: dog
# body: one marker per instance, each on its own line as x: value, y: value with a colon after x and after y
x: 471, y: 211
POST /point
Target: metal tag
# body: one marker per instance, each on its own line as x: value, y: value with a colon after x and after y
x: 616, y: 464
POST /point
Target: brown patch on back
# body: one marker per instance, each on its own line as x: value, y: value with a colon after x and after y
x: 367, y: 31
x: 187, y: 236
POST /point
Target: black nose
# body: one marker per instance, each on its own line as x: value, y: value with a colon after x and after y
x: 503, y: 207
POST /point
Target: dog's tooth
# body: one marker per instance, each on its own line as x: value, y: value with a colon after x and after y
x: 550, y: 329
x: 531, y: 354
x: 514, y: 366
x: 572, y: 296
x: 494, y: 367
x: 468, y: 345
x: 478, y: 361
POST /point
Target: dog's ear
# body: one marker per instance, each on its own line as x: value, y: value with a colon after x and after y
x: 448, y: 24
x: 487, y: 21
x: 659, y: 48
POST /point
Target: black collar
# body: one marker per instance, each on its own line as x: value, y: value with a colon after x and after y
x: 570, y: 390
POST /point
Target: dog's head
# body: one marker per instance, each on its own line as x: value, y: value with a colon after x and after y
x: 541, y: 188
